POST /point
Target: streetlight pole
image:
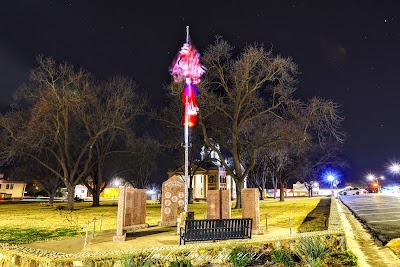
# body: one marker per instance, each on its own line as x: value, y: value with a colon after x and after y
x: 331, y: 178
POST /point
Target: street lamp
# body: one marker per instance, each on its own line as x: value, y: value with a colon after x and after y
x: 395, y: 167
x: 331, y: 178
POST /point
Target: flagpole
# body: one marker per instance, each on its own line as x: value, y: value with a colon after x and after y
x: 186, y: 136
x: 186, y: 133
x: 187, y: 67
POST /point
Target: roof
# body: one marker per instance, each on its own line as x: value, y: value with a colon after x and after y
x: 11, y: 182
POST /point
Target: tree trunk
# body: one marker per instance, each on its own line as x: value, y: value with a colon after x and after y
x: 282, y: 191
x: 51, y: 197
x: 96, y: 198
x: 275, y: 188
x: 239, y: 187
x: 190, y: 195
x: 261, y: 193
x: 71, y: 195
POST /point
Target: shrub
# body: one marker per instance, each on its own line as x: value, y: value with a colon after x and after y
x: 180, y: 263
x: 282, y: 256
x: 241, y: 256
x: 140, y: 260
x: 341, y: 258
x: 311, y: 250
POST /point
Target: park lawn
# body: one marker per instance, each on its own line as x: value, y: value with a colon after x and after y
x: 26, y: 223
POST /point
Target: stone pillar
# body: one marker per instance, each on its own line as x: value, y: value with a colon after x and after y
x: 218, y: 204
x: 251, y: 208
x: 213, y: 204
x: 173, y: 201
x: 226, y: 204
x: 120, y: 234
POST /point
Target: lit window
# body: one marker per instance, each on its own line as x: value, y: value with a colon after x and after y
x: 211, y: 179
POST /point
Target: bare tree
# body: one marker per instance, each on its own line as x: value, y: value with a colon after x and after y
x: 57, y: 120
x: 235, y: 94
x: 142, y: 161
x: 29, y: 171
x: 319, y: 123
x: 259, y: 176
x: 112, y: 102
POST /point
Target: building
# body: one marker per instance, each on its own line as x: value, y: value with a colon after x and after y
x: 81, y: 191
x: 12, y: 189
x: 299, y: 189
x: 209, y: 176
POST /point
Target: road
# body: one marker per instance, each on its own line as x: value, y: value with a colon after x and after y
x: 380, y: 213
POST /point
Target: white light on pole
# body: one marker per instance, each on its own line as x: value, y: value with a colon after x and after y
x: 331, y: 178
x: 395, y: 168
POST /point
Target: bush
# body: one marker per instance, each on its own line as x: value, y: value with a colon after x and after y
x: 282, y: 256
x: 241, y: 256
x: 312, y: 251
x: 341, y: 258
x: 180, y: 263
x: 141, y: 260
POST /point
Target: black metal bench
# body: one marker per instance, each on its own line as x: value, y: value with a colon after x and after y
x: 215, y: 229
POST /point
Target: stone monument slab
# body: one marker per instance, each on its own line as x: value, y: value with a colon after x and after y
x: 131, y: 211
x: 218, y: 204
x: 251, y: 208
x: 172, y: 200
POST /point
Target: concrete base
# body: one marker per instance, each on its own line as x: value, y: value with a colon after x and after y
x: 167, y: 224
x: 119, y: 238
x: 257, y: 232
x: 133, y: 228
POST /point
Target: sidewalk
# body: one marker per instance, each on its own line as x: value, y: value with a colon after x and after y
x: 155, y: 236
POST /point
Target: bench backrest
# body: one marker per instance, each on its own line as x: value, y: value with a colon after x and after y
x: 217, y: 229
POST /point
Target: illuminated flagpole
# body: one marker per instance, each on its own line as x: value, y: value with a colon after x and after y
x: 186, y: 67
x: 186, y: 135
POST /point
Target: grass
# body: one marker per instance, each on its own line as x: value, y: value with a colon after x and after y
x: 26, y: 223
x: 317, y: 219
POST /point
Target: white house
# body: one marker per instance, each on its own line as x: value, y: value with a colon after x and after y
x: 81, y: 191
x: 210, y: 176
x: 11, y: 189
x: 300, y: 189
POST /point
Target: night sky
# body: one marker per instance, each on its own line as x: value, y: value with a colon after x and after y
x: 348, y: 51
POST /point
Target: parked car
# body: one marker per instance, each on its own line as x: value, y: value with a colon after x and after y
x: 351, y: 191
x: 78, y: 199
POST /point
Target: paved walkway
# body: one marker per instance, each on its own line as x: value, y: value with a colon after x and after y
x: 144, y: 238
